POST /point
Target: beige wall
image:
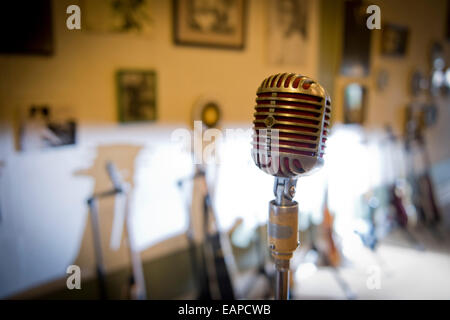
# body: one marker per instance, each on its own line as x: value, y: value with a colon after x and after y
x: 426, y: 23
x: 81, y: 73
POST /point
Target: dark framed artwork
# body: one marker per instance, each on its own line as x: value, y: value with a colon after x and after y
x: 136, y: 91
x: 213, y: 23
x: 288, y: 33
x: 118, y: 16
x: 355, y: 101
x: 448, y: 21
x: 42, y: 126
x: 356, y: 41
x: 26, y: 27
x: 394, y: 40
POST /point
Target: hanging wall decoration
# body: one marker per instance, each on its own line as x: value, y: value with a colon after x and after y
x: 213, y: 23
x: 117, y: 16
x: 26, y: 27
x: 394, y: 40
x: 355, y: 103
x: 136, y: 95
x: 288, y: 32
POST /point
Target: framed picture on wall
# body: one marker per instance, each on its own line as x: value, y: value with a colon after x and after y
x: 355, y: 103
x: 136, y: 90
x: 117, y: 16
x: 42, y: 126
x: 447, y: 32
x: 394, y: 40
x: 288, y: 32
x: 26, y: 27
x: 356, y: 46
x: 213, y: 23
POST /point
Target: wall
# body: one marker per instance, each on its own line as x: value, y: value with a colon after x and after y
x: 426, y: 23
x: 81, y: 73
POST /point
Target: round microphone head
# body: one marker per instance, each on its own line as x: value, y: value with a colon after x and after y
x: 291, y: 125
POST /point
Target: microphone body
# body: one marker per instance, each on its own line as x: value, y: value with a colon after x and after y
x: 291, y: 125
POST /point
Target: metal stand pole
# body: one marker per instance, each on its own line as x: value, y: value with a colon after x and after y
x: 137, y: 282
x: 282, y: 281
x: 92, y: 203
x: 283, y: 232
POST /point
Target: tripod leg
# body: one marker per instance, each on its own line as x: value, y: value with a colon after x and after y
x: 98, y: 248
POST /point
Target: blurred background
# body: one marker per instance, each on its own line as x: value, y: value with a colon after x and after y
x: 97, y: 174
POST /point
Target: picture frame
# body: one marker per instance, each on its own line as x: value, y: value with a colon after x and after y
x: 44, y: 126
x: 289, y: 32
x: 355, y: 103
x: 447, y: 24
x: 119, y: 16
x: 136, y: 95
x: 27, y: 31
x: 214, y: 24
x: 356, y: 45
x: 394, y: 40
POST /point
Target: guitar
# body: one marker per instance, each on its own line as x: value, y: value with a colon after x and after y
x: 396, y: 192
x: 327, y: 250
x: 417, y: 120
x: 431, y: 208
x: 401, y: 201
x: 332, y: 255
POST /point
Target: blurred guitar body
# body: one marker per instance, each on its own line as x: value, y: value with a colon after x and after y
x: 332, y: 256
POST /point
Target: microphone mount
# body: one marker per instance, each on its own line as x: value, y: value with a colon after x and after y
x: 284, y: 190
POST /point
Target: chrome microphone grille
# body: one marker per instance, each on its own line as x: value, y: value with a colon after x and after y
x: 291, y: 125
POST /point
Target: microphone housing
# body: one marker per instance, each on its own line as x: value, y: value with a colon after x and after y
x: 291, y: 125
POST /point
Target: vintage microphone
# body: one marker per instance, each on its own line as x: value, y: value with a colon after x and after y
x: 291, y: 125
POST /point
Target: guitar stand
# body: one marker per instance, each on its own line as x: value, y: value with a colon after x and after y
x: 201, y: 279
x: 215, y: 282
x: 261, y: 268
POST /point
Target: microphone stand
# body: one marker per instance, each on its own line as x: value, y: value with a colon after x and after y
x: 137, y: 281
x: 100, y: 267
x: 282, y: 231
x: 216, y: 275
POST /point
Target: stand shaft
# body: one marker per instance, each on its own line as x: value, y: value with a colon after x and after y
x: 282, y: 285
